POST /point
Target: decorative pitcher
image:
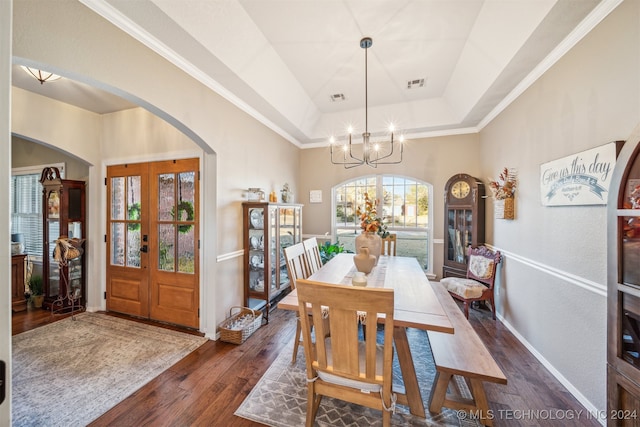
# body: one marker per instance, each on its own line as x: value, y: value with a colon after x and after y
x: 364, y: 261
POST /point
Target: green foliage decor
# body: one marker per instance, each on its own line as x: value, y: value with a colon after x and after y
x: 328, y: 250
x: 36, y: 285
x: 134, y: 215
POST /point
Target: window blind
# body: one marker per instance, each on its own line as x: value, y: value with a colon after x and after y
x: 26, y: 211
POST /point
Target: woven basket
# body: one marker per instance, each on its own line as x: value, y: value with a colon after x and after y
x: 239, y: 326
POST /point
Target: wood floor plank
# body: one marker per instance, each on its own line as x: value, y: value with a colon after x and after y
x: 206, y: 387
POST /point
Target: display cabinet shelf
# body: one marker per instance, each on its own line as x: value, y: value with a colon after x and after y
x: 268, y: 229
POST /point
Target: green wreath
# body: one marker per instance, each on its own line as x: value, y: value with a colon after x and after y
x: 186, y: 207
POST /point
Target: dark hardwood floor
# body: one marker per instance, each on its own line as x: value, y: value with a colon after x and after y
x: 206, y: 387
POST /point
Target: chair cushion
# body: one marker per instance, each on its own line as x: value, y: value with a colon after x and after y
x: 466, y: 288
x: 347, y: 382
x: 481, y: 267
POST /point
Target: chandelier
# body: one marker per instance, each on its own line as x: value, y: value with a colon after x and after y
x: 374, y: 153
x: 39, y: 75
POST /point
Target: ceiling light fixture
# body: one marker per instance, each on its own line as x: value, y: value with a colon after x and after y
x: 373, y: 153
x: 39, y: 75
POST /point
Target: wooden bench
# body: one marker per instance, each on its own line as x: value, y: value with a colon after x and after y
x: 463, y: 354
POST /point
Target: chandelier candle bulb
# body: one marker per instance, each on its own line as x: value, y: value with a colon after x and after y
x: 373, y: 154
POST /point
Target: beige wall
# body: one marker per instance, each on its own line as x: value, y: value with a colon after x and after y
x: 75, y: 132
x: 236, y: 151
x: 433, y: 160
x: 552, y: 291
x: 26, y: 153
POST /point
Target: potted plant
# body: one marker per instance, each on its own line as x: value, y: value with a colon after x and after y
x: 36, y: 285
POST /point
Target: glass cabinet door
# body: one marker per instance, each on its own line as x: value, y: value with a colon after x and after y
x: 629, y: 232
x: 459, y: 223
x: 256, y: 244
x: 52, y: 234
x: 274, y: 251
x: 75, y: 277
x: 268, y: 229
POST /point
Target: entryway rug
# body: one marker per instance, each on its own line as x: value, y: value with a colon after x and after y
x: 70, y: 372
x: 280, y: 397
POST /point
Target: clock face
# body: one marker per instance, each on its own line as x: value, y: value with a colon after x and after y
x: 460, y: 189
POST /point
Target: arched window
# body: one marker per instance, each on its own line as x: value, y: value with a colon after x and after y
x: 404, y: 205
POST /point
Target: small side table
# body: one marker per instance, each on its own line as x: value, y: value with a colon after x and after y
x: 18, y: 301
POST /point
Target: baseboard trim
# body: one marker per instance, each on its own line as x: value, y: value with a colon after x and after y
x: 561, y: 378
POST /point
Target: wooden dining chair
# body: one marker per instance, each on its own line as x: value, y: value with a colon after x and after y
x: 389, y: 245
x: 314, y: 261
x: 297, y: 268
x: 480, y: 280
x: 341, y: 366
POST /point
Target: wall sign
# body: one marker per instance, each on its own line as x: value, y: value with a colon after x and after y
x: 579, y: 179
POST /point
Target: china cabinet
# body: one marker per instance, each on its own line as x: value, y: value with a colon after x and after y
x: 268, y: 229
x: 63, y: 206
x: 623, y: 290
x: 464, y: 222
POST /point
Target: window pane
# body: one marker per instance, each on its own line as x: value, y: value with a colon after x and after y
x: 133, y: 245
x: 166, y: 196
x: 133, y: 199
x: 117, y: 198
x: 117, y: 244
x: 186, y: 248
x: 167, y: 239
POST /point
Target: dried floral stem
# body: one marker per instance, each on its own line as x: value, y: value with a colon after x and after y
x: 505, y: 186
x: 369, y: 219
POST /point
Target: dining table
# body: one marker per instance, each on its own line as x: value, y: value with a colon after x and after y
x: 415, y: 306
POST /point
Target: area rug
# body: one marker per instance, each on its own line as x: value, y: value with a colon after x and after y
x: 70, y: 372
x: 280, y: 397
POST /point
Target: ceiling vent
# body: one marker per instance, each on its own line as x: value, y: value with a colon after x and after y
x: 415, y: 84
x: 338, y: 97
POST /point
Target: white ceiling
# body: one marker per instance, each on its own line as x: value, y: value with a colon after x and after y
x: 283, y: 60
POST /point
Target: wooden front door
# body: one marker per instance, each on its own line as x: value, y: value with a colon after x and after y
x: 152, y: 241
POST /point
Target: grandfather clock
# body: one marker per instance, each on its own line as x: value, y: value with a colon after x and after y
x: 463, y: 222
x: 63, y: 207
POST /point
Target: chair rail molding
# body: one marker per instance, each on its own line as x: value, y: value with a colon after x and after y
x: 230, y: 255
x: 597, y: 288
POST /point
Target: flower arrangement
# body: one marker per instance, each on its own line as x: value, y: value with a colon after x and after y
x: 505, y: 186
x: 369, y: 219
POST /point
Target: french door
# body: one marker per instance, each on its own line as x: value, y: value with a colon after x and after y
x: 152, y: 241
